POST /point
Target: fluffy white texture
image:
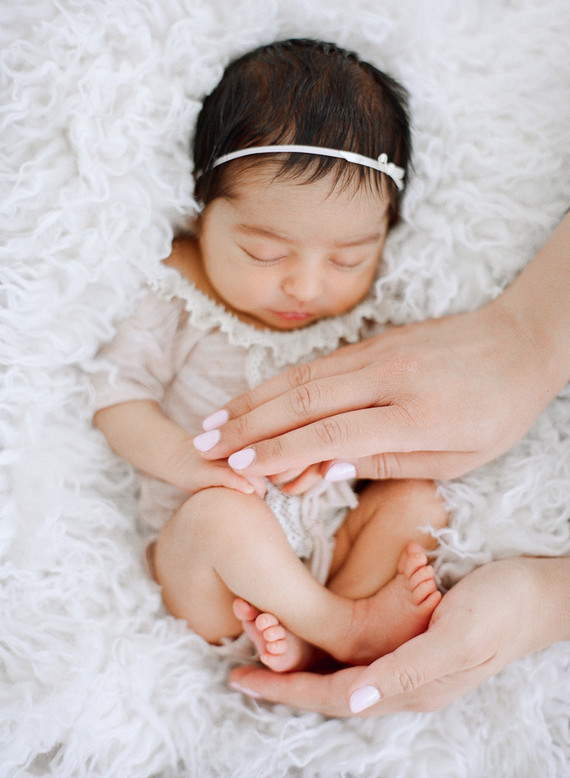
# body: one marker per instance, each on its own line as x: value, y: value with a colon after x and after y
x: 98, y: 103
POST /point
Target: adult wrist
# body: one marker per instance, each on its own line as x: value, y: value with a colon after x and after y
x: 538, y: 305
x: 552, y: 609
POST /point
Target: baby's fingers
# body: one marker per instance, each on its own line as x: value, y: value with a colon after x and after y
x: 304, y: 481
x: 316, y: 401
x: 219, y: 474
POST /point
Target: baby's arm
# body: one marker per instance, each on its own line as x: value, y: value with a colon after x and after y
x: 134, y: 369
x: 139, y: 432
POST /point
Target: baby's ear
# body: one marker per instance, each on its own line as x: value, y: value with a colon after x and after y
x: 195, y: 221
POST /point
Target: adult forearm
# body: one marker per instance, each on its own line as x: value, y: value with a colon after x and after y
x: 539, y: 302
x: 552, y: 604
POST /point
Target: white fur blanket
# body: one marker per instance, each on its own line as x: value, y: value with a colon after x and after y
x: 99, y: 98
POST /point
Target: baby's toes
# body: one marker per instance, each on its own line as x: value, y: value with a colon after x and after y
x: 277, y: 663
x: 422, y: 584
x: 276, y: 647
x: 274, y: 634
x: 266, y: 620
x: 243, y: 610
x: 412, y: 559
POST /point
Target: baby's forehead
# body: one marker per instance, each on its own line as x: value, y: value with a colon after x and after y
x: 295, y: 212
x: 337, y: 177
x: 271, y: 179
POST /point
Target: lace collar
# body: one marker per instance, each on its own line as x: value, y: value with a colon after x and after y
x: 286, y: 347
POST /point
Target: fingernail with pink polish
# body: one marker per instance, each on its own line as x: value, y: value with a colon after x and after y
x: 215, y: 420
x: 247, y: 692
x: 363, y: 698
x: 207, y: 440
x: 241, y: 459
x: 340, y: 471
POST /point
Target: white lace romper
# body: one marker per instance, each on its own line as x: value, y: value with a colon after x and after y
x: 188, y: 353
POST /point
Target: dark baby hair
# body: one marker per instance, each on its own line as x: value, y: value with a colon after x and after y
x: 302, y: 92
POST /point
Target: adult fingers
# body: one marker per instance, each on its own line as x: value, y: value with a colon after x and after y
x: 417, y: 464
x: 302, y: 691
x: 331, y: 694
x: 305, y: 404
x: 341, y: 362
x: 349, y: 436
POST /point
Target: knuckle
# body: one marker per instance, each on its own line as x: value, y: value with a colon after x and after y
x: 405, y: 365
x: 383, y: 467
x: 330, y: 432
x: 409, y: 679
x: 303, y: 400
x: 242, y: 404
x: 300, y: 374
x: 273, y: 450
x: 241, y: 427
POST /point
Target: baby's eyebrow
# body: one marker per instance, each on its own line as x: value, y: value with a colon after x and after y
x: 372, y: 238
x: 255, y: 229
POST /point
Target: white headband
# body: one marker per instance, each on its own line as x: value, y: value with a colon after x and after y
x: 381, y: 164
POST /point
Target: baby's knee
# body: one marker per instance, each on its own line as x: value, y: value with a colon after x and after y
x: 187, y: 520
x: 199, y: 510
x: 207, y: 512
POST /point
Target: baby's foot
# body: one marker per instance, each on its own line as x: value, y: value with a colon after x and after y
x: 396, y: 613
x: 279, y: 649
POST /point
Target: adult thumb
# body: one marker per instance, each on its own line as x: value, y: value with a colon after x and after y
x: 403, y: 672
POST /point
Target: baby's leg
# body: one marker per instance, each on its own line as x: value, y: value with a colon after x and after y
x: 369, y: 544
x: 222, y: 543
x: 376, y: 563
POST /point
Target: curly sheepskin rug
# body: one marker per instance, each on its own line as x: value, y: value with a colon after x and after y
x: 99, y: 99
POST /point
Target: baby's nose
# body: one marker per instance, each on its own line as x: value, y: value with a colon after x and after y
x: 304, y: 285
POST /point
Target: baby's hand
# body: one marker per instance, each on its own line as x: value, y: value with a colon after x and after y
x: 192, y: 473
x: 297, y: 481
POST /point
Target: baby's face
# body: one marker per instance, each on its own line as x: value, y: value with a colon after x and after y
x: 283, y: 254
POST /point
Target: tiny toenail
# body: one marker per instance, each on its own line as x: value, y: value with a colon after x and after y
x: 363, y: 698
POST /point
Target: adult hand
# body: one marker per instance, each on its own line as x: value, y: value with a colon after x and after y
x: 430, y: 400
x: 496, y: 614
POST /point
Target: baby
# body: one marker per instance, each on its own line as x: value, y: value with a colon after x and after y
x: 300, y: 153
